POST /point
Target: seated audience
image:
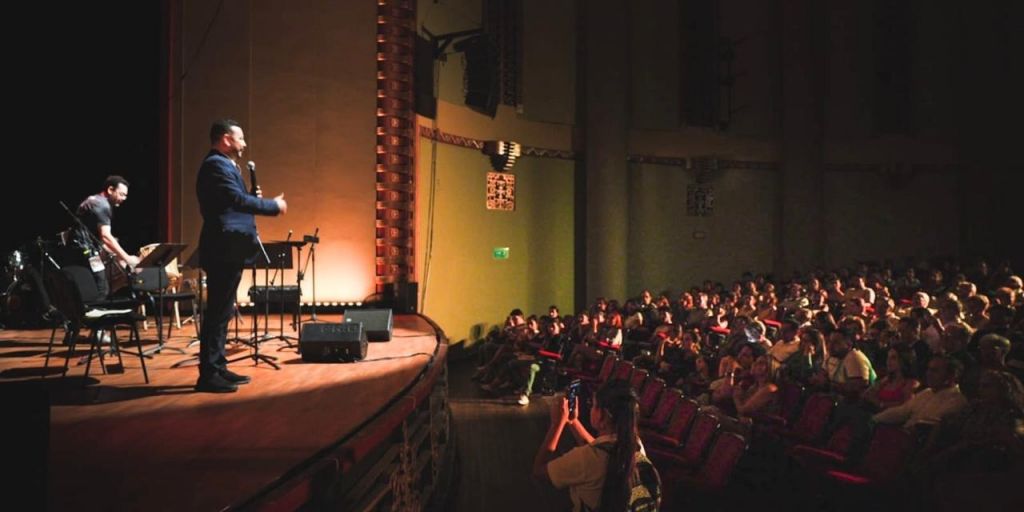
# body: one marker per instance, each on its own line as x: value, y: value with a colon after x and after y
x: 760, y: 397
x: 808, y: 361
x: 848, y: 370
x: 787, y: 345
x: 941, y: 399
x: 987, y: 435
x: 898, y: 385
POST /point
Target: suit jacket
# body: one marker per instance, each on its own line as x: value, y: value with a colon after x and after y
x: 228, y: 209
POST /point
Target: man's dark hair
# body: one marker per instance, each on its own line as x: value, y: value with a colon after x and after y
x: 848, y: 332
x: 114, y: 181
x: 907, y: 360
x: 1001, y: 314
x: 791, y: 323
x: 879, y: 325
x: 954, y: 367
x: 220, y: 127
x: 909, y: 322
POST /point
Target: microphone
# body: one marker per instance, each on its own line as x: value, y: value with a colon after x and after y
x: 252, y: 176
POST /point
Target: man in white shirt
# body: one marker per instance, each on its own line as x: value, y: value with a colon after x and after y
x: 941, y: 399
x: 848, y: 369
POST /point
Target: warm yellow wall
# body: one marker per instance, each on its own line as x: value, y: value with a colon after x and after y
x: 301, y: 79
x: 464, y: 289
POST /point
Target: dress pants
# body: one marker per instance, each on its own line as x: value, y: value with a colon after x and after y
x: 222, y: 280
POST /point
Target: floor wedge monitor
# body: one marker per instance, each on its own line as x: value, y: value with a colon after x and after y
x: 376, y: 322
x: 325, y: 342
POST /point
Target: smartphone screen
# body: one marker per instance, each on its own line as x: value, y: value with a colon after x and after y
x: 571, y: 394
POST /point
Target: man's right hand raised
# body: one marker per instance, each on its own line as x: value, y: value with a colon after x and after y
x: 282, y: 205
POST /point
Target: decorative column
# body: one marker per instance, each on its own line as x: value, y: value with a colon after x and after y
x: 396, y: 131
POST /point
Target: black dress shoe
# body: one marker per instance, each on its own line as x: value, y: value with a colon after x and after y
x: 233, y: 377
x: 215, y: 384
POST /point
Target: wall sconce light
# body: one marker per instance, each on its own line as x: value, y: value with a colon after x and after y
x: 503, y: 154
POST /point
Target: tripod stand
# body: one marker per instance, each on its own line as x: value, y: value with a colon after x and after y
x: 256, y: 339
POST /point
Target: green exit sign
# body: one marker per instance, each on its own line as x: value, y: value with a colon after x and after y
x: 500, y: 253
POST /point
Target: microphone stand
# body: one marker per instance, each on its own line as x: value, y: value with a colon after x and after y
x: 312, y: 240
x: 52, y: 313
x: 44, y: 256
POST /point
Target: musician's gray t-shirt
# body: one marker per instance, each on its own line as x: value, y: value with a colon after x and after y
x: 95, y: 211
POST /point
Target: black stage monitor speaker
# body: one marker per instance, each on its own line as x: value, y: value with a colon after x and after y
x: 332, y: 342
x: 376, y: 322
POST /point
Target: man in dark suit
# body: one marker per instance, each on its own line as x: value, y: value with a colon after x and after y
x: 227, y: 240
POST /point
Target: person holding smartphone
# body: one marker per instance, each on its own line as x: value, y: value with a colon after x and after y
x: 602, y: 471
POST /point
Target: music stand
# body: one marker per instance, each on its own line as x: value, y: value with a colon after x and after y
x: 259, y: 260
x: 281, y: 252
x: 159, y: 258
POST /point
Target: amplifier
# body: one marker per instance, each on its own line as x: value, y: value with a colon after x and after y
x: 332, y: 342
x: 275, y: 294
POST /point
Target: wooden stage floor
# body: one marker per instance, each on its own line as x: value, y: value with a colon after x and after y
x: 116, y: 443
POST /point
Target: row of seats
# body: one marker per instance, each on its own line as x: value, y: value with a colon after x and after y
x: 690, y: 447
x: 697, y: 450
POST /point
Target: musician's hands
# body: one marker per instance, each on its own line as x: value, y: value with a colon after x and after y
x: 259, y: 191
x: 282, y: 205
x: 133, y: 260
